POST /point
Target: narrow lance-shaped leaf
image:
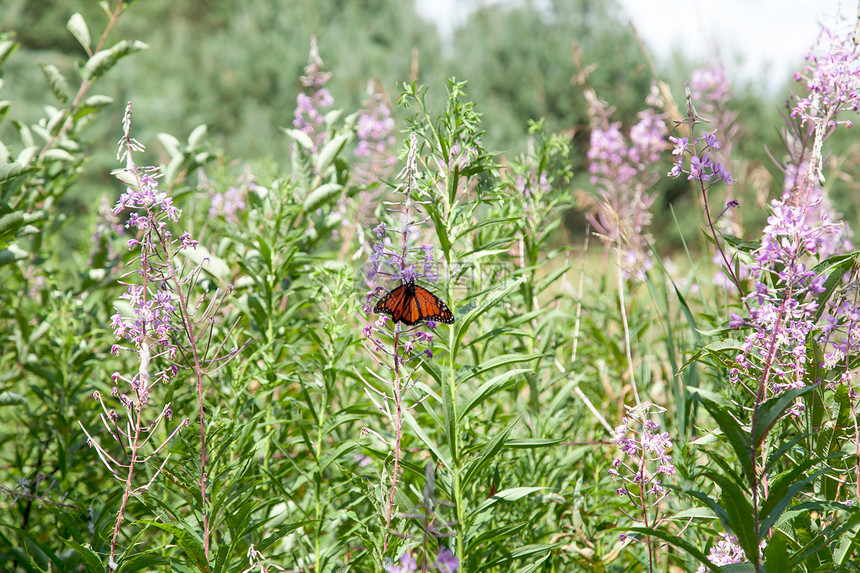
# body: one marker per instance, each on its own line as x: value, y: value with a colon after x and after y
x: 103, y: 61
x: 57, y: 83
x: 738, y: 438
x: 78, y: 27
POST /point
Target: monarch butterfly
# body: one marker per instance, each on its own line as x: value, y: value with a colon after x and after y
x: 411, y: 304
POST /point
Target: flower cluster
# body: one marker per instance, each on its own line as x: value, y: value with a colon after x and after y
x: 647, y: 449
x: 148, y: 211
x: 725, y: 552
x: 774, y: 353
x: 400, y: 264
x: 801, y: 231
x: 309, y: 116
x: 701, y: 165
x: 832, y: 78
x: 373, y: 130
x: 227, y: 204
x: 446, y: 562
x: 711, y: 88
x: 622, y: 170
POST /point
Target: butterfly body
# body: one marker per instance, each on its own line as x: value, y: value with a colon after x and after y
x: 411, y: 304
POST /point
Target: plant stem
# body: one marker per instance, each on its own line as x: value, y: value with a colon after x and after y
x: 127, y: 490
x: 397, y: 435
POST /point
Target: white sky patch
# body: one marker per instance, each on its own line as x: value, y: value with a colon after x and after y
x: 768, y: 37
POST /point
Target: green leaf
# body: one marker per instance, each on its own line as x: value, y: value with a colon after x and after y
x: 9, y: 171
x: 835, y: 267
x: 487, y: 453
x: 717, y: 349
x: 39, y: 554
x: 57, y: 154
x: 529, y: 443
x: 188, y: 542
x: 98, y: 101
x: 776, y: 554
x: 322, y: 194
x: 511, y: 494
x: 300, y: 137
x: 738, y: 438
x: 78, y: 27
x: 17, y: 223
x: 782, y: 491
x: 487, y: 223
x: 213, y: 265
x: 735, y: 512
x: 6, y: 48
x: 773, y: 410
x: 280, y: 532
x: 548, y: 280
x: 528, y: 552
x: 419, y: 431
x: 197, y: 136
x: 4, y: 109
x: 91, y: 560
x: 56, y: 82
x: 102, y: 62
x: 849, y: 540
x: 499, y: 533
x: 495, y: 362
x: 141, y: 561
x: 493, y: 386
x: 328, y: 153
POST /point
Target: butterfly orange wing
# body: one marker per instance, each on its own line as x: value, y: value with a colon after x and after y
x: 411, y: 304
x: 393, y: 303
x: 431, y: 307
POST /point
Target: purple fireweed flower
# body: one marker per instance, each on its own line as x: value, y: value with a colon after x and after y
x: 395, y: 262
x: 152, y: 306
x: 783, y: 305
x: 227, y: 204
x: 407, y: 563
x: 832, y: 77
x: 309, y: 115
x: 623, y: 172
x: 725, y: 552
x: 645, y: 449
x: 146, y: 197
x: 711, y: 91
x: 835, y: 239
x: 643, y: 463
x: 446, y: 562
x: 701, y: 166
x: 150, y: 319
x: 802, y: 231
x: 711, y: 88
x: 375, y: 140
x: 379, y: 230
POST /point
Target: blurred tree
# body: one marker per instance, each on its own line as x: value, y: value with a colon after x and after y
x: 520, y: 64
